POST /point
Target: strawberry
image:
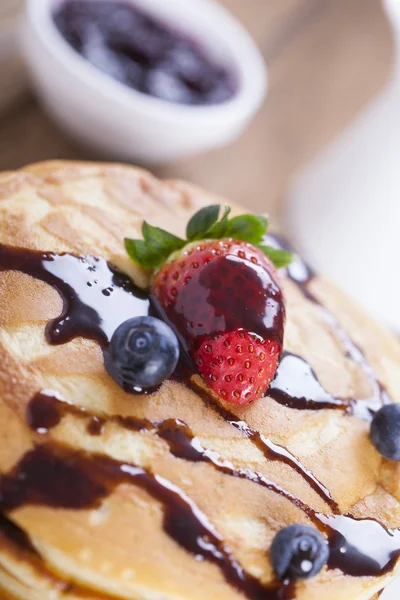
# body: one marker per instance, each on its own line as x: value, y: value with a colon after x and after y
x: 220, y: 291
x: 237, y: 365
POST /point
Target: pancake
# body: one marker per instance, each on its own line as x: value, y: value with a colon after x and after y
x: 174, y: 495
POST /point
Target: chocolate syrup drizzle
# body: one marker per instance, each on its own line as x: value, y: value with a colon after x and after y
x: 296, y: 385
x: 47, y: 409
x: 54, y: 475
x: 96, y: 299
x: 269, y: 449
x: 11, y: 531
x: 348, y: 537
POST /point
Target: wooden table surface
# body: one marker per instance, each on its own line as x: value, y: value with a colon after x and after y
x: 326, y: 59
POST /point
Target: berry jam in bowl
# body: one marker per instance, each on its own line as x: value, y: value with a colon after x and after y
x: 144, y: 79
x: 143, y: 53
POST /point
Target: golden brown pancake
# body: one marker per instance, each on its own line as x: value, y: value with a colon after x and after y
x: 123, y: 539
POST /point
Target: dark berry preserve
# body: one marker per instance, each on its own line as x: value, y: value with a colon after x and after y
x: 142, y: 53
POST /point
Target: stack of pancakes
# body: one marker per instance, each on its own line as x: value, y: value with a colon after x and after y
x: 119, y: 548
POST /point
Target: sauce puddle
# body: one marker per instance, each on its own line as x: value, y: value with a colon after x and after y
x: 96, y: 298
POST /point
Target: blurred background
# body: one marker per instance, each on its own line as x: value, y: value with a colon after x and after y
x: 326, y: 59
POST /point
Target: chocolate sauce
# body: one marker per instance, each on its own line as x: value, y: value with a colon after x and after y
x: 96, y: 426
x: 274, y: 452
x: 348, y: 537
x: 15, y: 534
x: 181, y: 441
x: 43, y: 411
x: 183, y: 444
x: 296, y: 385
x: 363, y: 408
x: 55, y: 476
x: 270, y: 450
x: 96, y: 297
x: 360, y: 547
x: 46, y: 409
x: 299, y: 271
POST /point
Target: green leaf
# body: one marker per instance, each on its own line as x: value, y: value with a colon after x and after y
x: 155, y: 248
x: 161, y: 241
x: 202, y: 221
x: 250, y: 228
x: 280, y: 258
x: 141, y: 254
x: 219, y: 229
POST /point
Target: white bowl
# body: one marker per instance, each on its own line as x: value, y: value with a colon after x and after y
x: 122, y: 123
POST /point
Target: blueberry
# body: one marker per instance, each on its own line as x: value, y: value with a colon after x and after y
x: 144, y: 352
x: 385, y: 431
x: 298, y: 552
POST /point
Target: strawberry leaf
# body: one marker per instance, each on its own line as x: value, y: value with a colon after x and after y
x: 142, y: 254
x: 250, y: 228
x: 220, y: 228
x: 202, y: 221
x: 158, y: 245
x: 161, y: 241
x: 280, y: 258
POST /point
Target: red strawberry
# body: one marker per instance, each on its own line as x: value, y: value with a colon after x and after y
x: 222, y: 297
x: 237, y: 365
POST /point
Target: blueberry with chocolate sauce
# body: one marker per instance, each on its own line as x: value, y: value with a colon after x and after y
x: 298, y: 552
